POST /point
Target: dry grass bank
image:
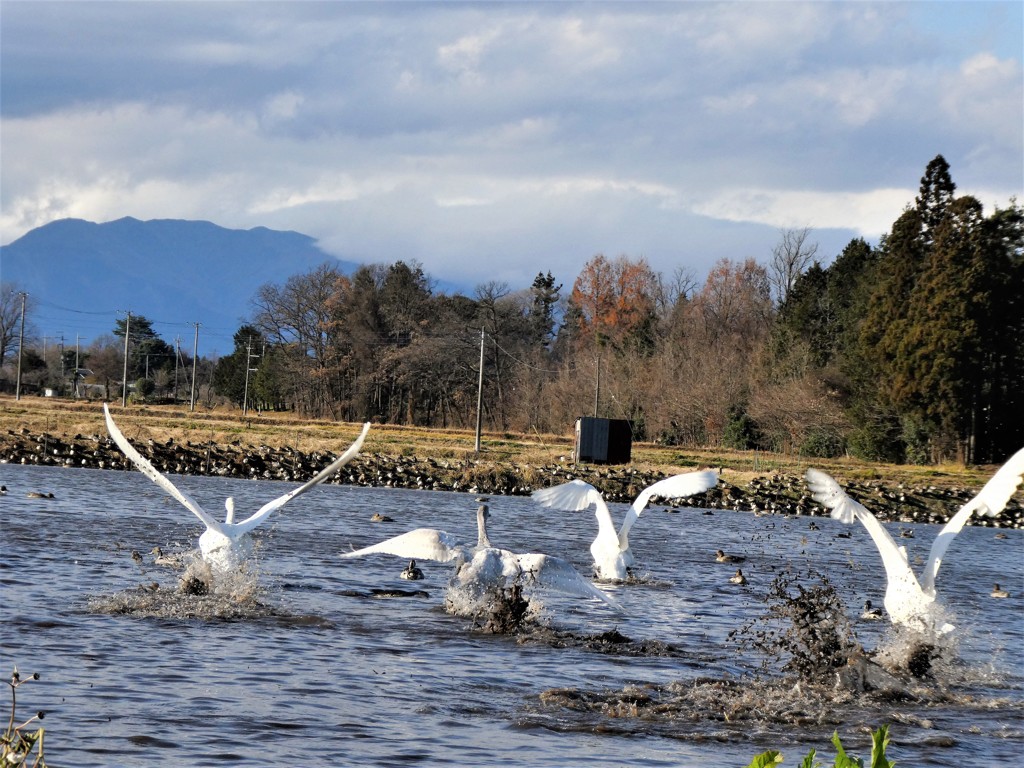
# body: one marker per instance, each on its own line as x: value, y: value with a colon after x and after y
x: 67, y: 418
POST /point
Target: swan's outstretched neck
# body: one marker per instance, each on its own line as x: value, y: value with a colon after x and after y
x: 229, y: 503
x: 482, y: 514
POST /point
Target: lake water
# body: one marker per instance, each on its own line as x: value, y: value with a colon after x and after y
x: 329, y: 676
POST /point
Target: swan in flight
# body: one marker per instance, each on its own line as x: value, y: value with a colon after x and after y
x: 908, y: 601
x: 482, y: 567
x: 612, y: 555
x: 226, y: 545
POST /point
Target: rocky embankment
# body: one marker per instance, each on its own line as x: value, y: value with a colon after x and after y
x: 773, y: 494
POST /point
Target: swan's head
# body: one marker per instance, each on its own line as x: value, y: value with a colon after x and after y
x: 229, y: 504
x: 482, y: 513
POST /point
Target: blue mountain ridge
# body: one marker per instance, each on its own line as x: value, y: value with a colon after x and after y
x: 173, y: 272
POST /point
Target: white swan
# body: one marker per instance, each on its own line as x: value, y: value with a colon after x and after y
x: 226, y: 545
x: 612, y: 555
x: 483, y: 567
x: 908, y: 601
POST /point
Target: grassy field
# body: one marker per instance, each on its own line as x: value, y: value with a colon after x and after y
x: 67, y: 418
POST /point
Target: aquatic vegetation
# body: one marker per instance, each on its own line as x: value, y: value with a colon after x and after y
x: 879, y: 743
x: 17, y: 743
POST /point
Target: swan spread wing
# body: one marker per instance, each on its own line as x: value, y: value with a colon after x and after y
x: 577, y: 495
x: 142, y: 463
x: 559, y: 574
x: 419, y: 544
x: 828, y: 492
x: 573, y: 496
x: 258, y: 517
x: 989, y: 501
x: 675, y: 487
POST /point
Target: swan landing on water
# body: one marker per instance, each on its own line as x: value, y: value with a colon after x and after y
x: 482, y: 567
x: 907, y: 601
x: 611, y: 552
x: 226, y: 545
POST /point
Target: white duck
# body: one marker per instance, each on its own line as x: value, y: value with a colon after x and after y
x: 226, y: 545
x: 908, y: 601
x: 482, y: 567
x: 612, y: 555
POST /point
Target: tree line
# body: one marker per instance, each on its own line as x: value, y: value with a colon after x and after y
x: 908, y: 351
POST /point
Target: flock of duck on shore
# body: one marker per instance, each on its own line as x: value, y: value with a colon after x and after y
x: 783, y: 494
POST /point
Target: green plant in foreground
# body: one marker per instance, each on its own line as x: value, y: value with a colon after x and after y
x: 879, y: 739
x: 17, y: 744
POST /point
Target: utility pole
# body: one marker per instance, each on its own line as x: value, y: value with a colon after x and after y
x: 248, y: 356
x: 62, y: 371
x: 480, y: 391
x: 77, y: 350
x: 21, y: 346
x: 177, y: 354
x: 597, y: 388
x: 195, y: 355
x: 124, y: 375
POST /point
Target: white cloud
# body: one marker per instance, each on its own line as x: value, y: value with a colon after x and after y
x: 869, y: 214
x: 532, y: 130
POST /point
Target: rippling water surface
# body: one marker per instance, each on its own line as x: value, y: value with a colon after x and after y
x: 317, y: 672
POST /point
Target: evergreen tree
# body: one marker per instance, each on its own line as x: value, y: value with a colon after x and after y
x: 936, y: 193
x: 147, y: 352
x: 229, y: 376
x: 544, y: 295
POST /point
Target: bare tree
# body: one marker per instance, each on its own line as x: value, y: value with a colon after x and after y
x: 11, y: 298
x: 790, y: 258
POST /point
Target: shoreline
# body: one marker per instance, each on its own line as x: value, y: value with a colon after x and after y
x: 773, y: 493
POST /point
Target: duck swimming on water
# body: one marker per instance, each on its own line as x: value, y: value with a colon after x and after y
x: 998, y: 592
x: 871, y: 613
x: 226, y: 545
x: 721, y: 557
x: 738, y: 578
x: 412, y: 572
x: 162, y: 558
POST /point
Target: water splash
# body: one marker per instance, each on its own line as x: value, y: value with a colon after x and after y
x: 815, y: 674
x: 495, y: 610
x: 200, y: 593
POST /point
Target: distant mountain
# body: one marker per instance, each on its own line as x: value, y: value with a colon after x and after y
x: 171, y: 271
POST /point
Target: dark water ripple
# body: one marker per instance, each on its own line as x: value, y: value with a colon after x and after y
x: 311, y: 669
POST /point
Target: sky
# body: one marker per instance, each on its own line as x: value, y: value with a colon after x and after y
x: 491, y: 142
